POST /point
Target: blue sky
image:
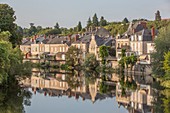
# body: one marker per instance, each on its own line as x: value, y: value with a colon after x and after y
x: 69, y: 12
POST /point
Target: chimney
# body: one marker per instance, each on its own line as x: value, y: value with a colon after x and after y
x: 153, y: 33
x: 32, y: 39
x: 76, y: 37
x: 133, y: 31
x: 35, y: 37
x: 69, y: 38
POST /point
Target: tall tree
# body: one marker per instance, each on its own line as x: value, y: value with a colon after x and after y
x: 95, y: 20
x: 79, y: 27
x: 73, y: 56
x: 57, y: 26
x: 89, y: 22
x: 103, y: 51
x: 5, y: 36
x: 162, y: 46
x: 7, y: 19
x: 166, y: 65
x: 125, y: 20
x: 32, y: 30
x: 102, y: 22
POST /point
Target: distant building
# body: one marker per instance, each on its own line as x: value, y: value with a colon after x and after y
x: 157, y: 16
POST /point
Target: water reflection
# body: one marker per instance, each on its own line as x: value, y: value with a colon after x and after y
x: 133, y: 92
x: 13, y: 98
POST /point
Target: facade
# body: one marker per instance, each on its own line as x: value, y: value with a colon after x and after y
x: 138, y: 101
x: 122, y: 42
x: 94, y: 45
x: 135, y: 40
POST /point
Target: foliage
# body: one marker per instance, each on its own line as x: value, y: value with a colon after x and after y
x: 122, y: 60
x: 95, y: 20
x: 166, y: 65
x: 79, y: 27
x: 133, y: 60
x: 116, y: 28
x: 73, y: 57
x: 89, y: 22
x: 103, y: 52
x: 7, y: 19
x: 162, y: 46
x: 103, y: 88
x: 125, y: 20
x: 13, y: 98
x: 158, y: 24
x: 74, y: 79
x: 11, y: 62
x: 5, y: 35
x: 90, y: 62
x: 57, y: 26
x: 102, y: 22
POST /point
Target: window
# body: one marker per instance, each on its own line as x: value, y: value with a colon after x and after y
x: 60, y: 49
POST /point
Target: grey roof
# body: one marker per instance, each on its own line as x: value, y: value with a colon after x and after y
x: 85, y: 39
x: 102, y: 32
x: 108, y: 42
x: 137, y: 26
x: 39, y: 39
x: 99, y: 40
x: 147, y: 35
x: 27, y: 43
x: 57, y: 40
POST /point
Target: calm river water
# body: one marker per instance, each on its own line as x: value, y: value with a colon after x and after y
x: 81, y: 93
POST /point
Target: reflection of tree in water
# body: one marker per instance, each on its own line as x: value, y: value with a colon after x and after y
x: 91, y: 76
x: 127, y: 83
x: 162, y: 99
x: 74, y: 79
x: 12, y: 99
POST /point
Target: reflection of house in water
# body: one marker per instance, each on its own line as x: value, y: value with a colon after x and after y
x: 138, y: 101
x: 59, y: 87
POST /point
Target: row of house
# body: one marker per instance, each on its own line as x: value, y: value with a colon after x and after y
x: 138, y: 40
x: 54, y: 45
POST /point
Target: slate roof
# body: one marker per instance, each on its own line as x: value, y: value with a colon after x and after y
x: 85, y: 39
x: 108, y: 42
x: 27, y: 43
x: 137, y: 26
x: 99, y: 40
x: 57, y: 40
x: 102, y: 32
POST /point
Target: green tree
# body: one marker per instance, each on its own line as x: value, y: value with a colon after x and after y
x: 90, y: 62
x: 7, y: 19
x: 122, y: 60
x: 95, y: 20
x: 79, y: 27
x: 5, y: 35
x: 133, y: 60
x: 19, y: 31
x: 125, y: 20
x: 104, y: 53
x: 102, y: 22
x: 39, y: 28
x: 89, y: 22
x: 162, y: 46
x: 57, y: 26
x: 166, y: 65
x: 73, y: 57
x: 32, y: 30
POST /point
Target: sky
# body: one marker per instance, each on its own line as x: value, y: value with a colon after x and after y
x: 69, y: 12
